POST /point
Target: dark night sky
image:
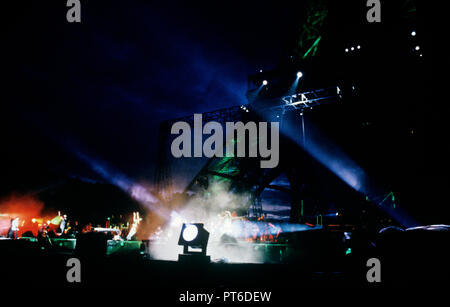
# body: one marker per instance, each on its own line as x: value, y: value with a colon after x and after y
x: 104, y: 85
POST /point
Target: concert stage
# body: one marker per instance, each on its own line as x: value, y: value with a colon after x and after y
x: 409, y: 258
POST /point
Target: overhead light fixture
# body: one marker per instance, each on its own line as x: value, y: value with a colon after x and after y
x: 353, y: 48
x: 417, y: 48
x: 265, y: 82
x: 193, y: 236
x: 346, y: 49
x: 299, y: 74
x: 359, y: 47
x: 413, y: 33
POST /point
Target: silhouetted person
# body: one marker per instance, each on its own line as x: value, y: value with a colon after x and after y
x: 42, y: 236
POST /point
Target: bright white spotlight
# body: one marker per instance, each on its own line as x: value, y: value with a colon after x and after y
x: 190, y: 233
x: 359, y: 47
x: 417, y: 48
x: 193, y: 236
x: 265, y: 82
x: 353, y: 48
x: 413, y: 33
x: 299, y: 74
x: 346, y: 49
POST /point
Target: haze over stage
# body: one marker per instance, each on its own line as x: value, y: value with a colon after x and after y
x: 85, y: 126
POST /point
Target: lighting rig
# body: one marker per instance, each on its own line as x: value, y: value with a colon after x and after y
x: 193, y: 236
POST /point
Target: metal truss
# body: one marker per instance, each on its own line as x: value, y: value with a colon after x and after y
x: 232, y: 169
x: 311, y: 99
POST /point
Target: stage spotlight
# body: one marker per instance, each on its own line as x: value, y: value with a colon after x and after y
x: 413, y: 33
x: 190, y: 233
x: 359, y: 47
x: 417, y: 48
x: 193, y: 236
x: 346, y: 49
x: 299, y: 74
x: 353, y: 48
x: 265, y: 82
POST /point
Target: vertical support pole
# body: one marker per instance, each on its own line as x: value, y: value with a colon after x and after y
x: 303, y: 130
